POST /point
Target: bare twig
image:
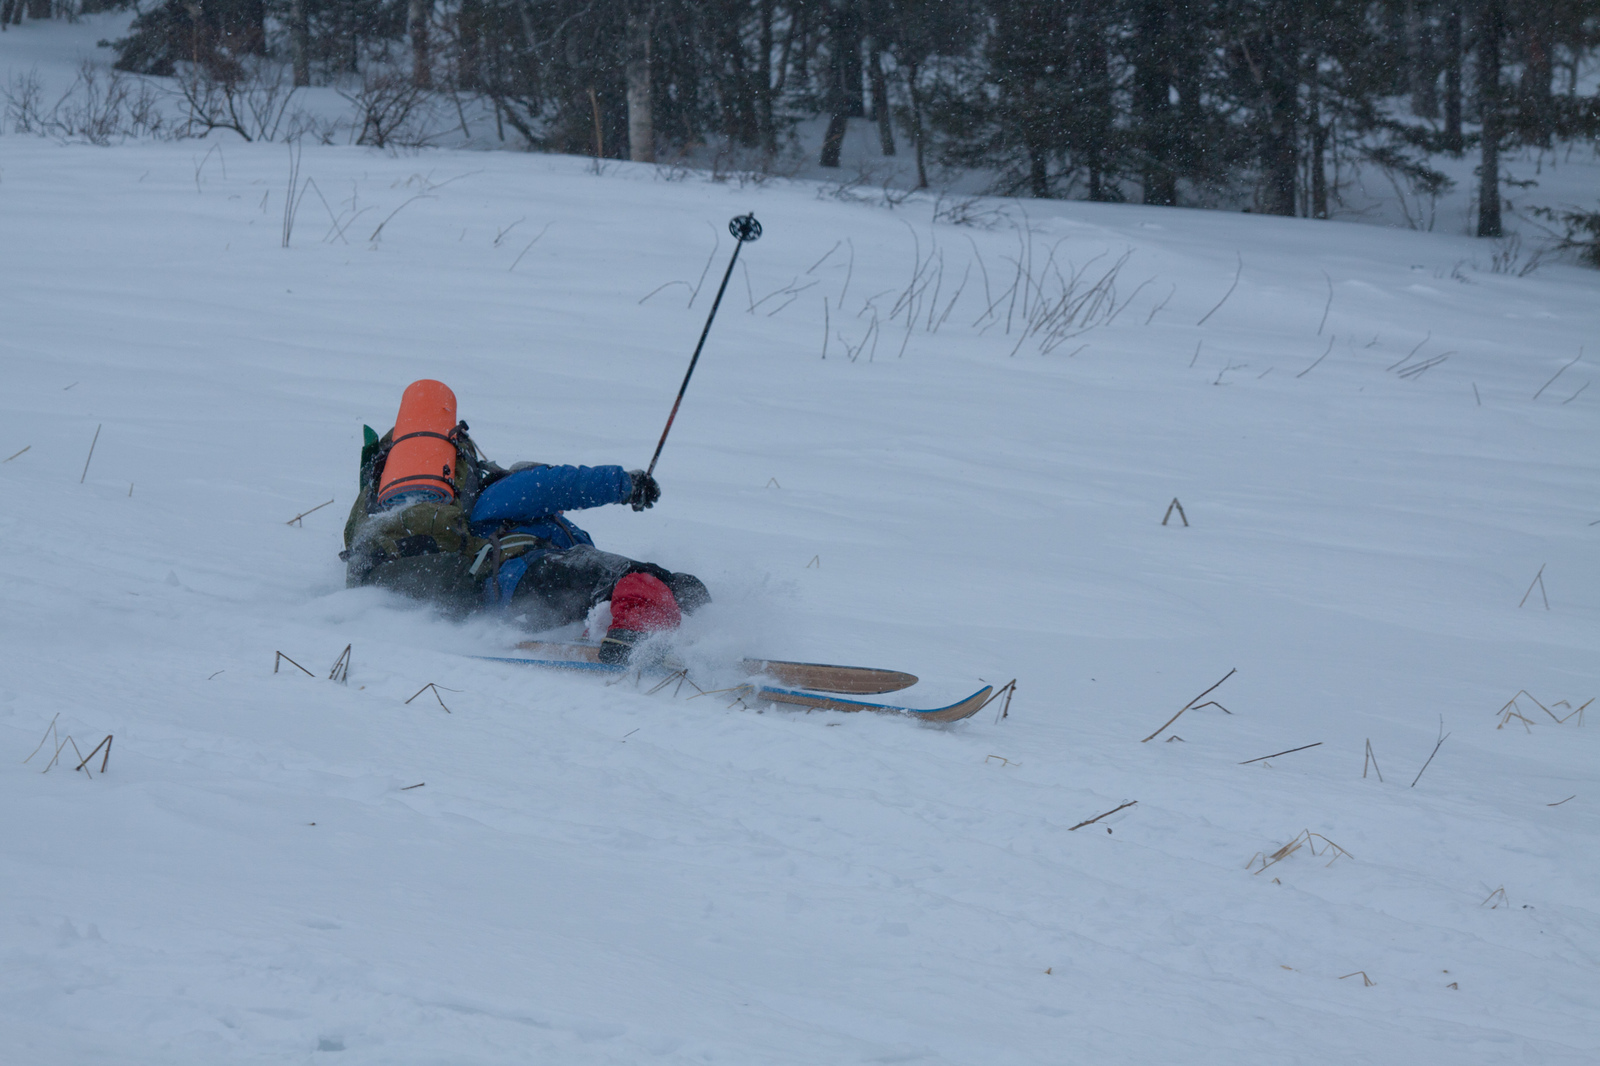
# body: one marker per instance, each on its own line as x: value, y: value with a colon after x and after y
x: 436, y: 695
x: 92, y: 443
x: 1328, y: 307
x: 408, y: 788
x: 1096, y: 818
x: 1275, y: 754
x: 1558, y: 373
x: 302, y: 514
x: 47, y: 731
x: 13, y: 456
x: 106, y: 744
x: 1443, y: 736
x: 279, y: 656
x: 341, y: 667
x: 1412, y: 352
x: 529, y: 248
x: 1189, y: 705
x: 1320, y: 358
x: 1175, y: 506
x: 1157, y: 308
x: 1571, y: 797
x: 1227, y: 294
x: 1007, y: 690
x: 1538, y: 579
x: 1373, y: 760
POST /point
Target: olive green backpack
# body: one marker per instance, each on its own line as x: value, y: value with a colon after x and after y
x: 425, y: 549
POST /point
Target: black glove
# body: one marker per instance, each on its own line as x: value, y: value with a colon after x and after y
x: 645, y: 490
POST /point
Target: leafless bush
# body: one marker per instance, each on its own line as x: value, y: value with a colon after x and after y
x: 1509, y: 257
x: 979, y: 211
x: 392, y: 112
x: 100, y: 106
x: 251, y: 97
x: 25, y: 103
x: 749, y: 166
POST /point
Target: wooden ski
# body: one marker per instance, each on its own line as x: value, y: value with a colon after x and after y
x: 852, y: 680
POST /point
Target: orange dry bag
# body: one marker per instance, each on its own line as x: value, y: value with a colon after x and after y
x: 423, y: 455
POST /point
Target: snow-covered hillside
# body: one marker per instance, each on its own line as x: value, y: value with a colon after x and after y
x: 1363, y: 433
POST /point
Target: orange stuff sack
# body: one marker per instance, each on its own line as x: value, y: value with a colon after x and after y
x: 423, y: 455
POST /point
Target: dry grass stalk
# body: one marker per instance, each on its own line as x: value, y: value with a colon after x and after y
x: 1538, y: 579
x: 8, y: 458
x: 1558, y: 803
x: 280, y: 657
x: 1096, y: 818
x: 1366, y: 982
x: 1513, y: 710
x: 48, y: 730
x: 1275, y: 754
x: 341, y: 667
x: 1373, y: 760
x: 1175, y: 506
x: 106, y: 744
x: 408, y: 788
x: 302, y: 514
x: 1003, y: 760
x: 1007, y: 690
x: 1227, y: 294
x: 1305, y: 839
x: 1319, y: 359
x: 1497, y: 899
x: 86, y: 462
x: 1443, y: 736
x: 431, y: 685
x: 1192, y: 703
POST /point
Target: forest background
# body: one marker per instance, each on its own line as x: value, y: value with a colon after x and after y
x: 1275, y: 106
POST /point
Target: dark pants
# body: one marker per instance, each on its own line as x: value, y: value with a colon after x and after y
x: 561, y: 587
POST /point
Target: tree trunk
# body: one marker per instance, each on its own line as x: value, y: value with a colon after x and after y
x: 418, y: 14
x: 833, y: 140
x: 842, y: 39
x: 38, y: 9
x: 918, y: 137
x: 300, y: 43
x: 1097, y: 132
x: 764, y: 113
x: 469, y: 26
x: 1152, y: 104
x: 880, y: 98
x: 1424, y: 72
x: 1319, y: 143
x: 1538, y: 71
x: 1491, y: 27
x: 1453, y: 141
x: 847, y: 41
x: 641, y: 111
x: 1038, y: 172
x: 1281, y: 77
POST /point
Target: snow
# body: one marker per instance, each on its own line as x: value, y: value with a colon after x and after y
x: 591, y: 874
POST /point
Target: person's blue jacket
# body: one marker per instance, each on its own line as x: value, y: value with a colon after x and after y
x: 531, y: 501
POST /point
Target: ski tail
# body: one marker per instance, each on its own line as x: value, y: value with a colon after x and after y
x: 954, y: 713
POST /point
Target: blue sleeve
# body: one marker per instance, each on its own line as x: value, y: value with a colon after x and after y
x: 529, y: 494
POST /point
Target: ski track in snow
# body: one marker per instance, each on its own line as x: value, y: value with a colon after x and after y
x: 594, y: 875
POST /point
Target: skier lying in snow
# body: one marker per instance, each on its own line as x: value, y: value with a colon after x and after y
x: 475, y: 535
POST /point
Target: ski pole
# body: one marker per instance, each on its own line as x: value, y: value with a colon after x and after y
x: 744, y: 228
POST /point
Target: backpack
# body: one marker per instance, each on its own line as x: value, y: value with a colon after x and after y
x: 426, y: 549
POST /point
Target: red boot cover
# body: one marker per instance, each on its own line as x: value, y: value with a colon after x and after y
x: 643, y: 604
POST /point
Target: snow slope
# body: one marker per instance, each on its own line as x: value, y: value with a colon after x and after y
x: 590, y: 874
